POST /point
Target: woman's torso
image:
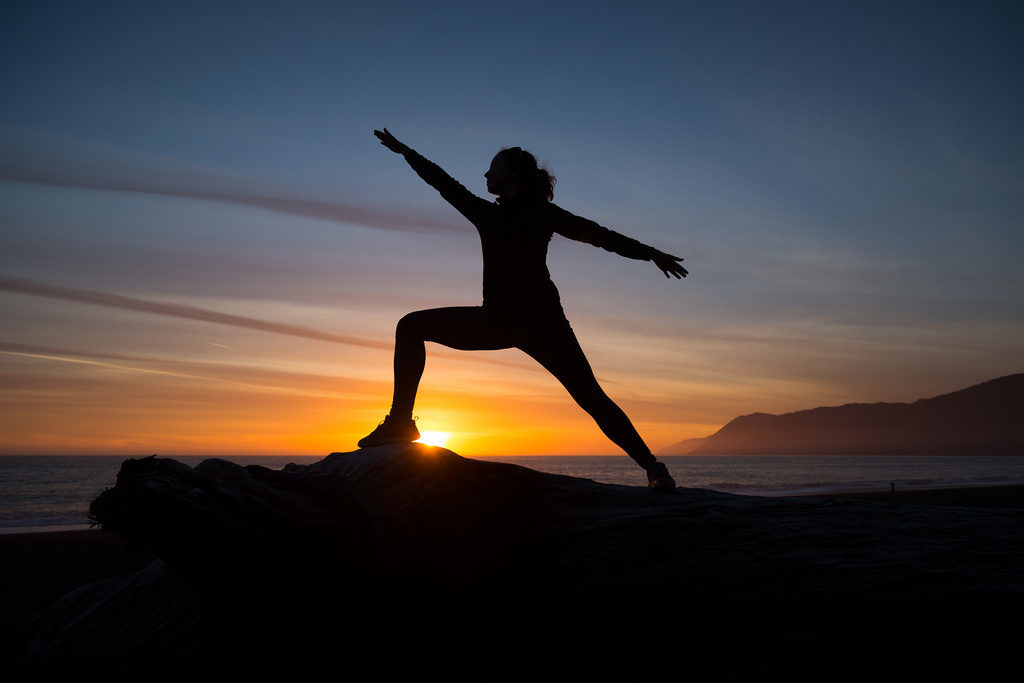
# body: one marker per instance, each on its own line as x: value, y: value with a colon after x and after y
x: 514, y: 238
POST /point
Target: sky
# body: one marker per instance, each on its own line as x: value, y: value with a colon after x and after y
x: 204, y: 249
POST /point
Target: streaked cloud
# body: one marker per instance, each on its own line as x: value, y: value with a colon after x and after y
x: 46, y: 159
x: 18, y: 285
x: 236, y: 374
x: 31, y: 287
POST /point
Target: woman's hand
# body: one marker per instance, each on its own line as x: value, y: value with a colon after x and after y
x: 391, y: 142
x: 669, y: 265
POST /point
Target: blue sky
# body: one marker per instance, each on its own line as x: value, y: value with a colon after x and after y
x: 843, y: 179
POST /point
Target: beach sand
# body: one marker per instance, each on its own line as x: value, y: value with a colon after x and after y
x: 38, y: 568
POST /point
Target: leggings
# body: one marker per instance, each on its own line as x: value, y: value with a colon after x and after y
x: 547, y: 339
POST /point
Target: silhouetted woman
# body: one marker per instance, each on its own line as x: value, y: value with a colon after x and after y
x: 521, y: 307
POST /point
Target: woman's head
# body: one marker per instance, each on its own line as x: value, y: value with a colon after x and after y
x: 514, y: 172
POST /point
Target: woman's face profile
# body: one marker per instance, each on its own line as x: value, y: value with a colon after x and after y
x: 501, y: 177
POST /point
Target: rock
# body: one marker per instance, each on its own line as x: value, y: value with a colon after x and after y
x: 411, y: 551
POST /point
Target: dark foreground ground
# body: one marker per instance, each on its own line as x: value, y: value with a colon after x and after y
x: 706, y: 624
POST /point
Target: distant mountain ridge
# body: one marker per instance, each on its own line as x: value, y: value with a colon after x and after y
x: 985, y: 419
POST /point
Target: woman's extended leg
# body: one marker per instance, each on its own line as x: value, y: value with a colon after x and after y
x: 561, y: 355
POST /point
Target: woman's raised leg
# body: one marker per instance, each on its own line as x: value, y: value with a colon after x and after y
x: 468, y: 328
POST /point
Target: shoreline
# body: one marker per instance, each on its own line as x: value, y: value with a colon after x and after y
x: 980, y: 495
x: 970, y: 495
x: 977, y: 495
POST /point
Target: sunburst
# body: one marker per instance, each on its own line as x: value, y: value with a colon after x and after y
x: 439, y: 439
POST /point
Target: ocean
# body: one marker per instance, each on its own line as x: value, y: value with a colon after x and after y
x: 49, y: 493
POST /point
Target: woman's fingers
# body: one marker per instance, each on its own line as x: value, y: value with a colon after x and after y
x: 669, y: 266
x: 389, y: 140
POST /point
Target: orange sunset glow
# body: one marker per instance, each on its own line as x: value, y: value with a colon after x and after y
x: 205, y: 253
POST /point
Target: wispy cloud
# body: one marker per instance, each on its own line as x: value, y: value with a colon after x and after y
x: 18, y: 285
x: 25, y: 286
x: 45, y: 159
x: 246, y: 376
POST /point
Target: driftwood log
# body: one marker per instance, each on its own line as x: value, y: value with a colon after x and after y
x: 410, y: 557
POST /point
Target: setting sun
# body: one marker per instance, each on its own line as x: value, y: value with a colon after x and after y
x: 439, y: 439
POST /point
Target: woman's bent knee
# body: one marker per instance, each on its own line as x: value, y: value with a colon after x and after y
x: 410, y: 326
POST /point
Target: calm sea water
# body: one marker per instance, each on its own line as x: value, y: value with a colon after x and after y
x: 45, y: 493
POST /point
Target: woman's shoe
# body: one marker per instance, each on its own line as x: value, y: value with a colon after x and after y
x: 391, y: 430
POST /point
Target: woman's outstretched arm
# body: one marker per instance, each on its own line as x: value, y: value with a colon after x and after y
x: 585, y: 230
x: 467, y: 203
